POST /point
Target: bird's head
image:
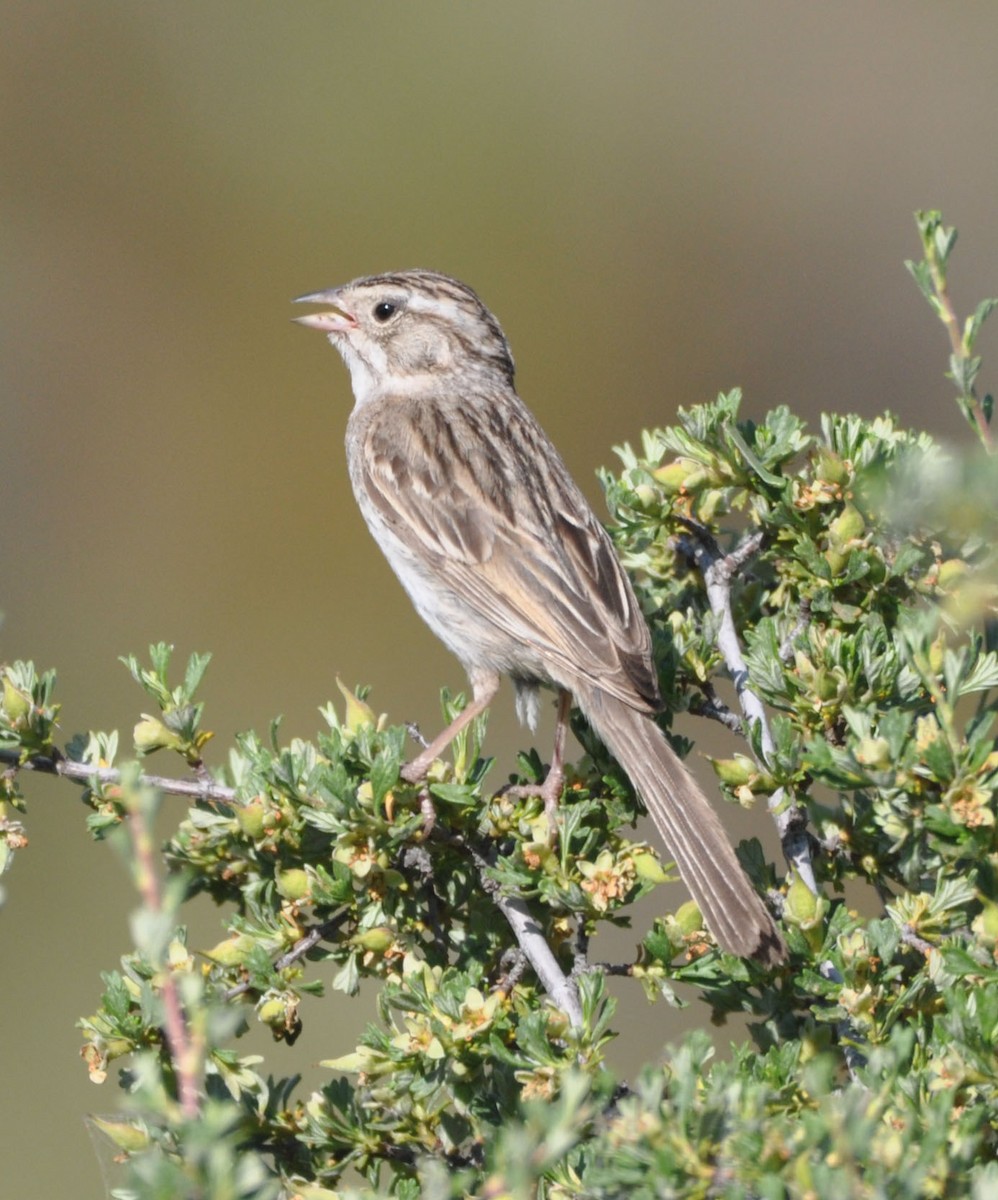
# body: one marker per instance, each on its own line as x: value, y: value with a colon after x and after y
x: 410, y: 329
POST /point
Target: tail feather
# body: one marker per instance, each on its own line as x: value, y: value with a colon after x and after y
x: 693, y: 834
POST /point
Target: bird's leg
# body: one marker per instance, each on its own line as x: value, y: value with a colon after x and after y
x: 555, y: 781
x: 484, y: 689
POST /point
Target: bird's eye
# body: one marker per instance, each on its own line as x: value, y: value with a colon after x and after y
x: 384, y: 309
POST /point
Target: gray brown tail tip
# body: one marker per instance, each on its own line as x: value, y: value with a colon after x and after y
x: 771, y: 950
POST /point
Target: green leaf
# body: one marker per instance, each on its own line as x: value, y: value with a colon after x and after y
x: 384, y: 774
x: 347, y: 979
x: 923, y: 277
x: 461, y: 794
x: 197, y: 664
x: 981, y: 676
x: 973, y: 324
x: 734, y: 435
x: 964, y: 372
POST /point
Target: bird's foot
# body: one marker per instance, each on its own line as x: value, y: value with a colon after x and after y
x: 415, y: 773
x: 551, y: 795
x: 428, y: 812
x: 549, y: 792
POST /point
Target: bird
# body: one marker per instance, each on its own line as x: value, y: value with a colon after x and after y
x: 506, y: 562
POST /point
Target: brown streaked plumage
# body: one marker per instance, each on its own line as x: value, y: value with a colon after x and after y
x: 505, y: 560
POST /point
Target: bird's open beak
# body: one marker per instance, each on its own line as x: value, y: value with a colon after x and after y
x: 339, y: 321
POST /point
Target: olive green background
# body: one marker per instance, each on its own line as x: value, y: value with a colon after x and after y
x: 659, y: 201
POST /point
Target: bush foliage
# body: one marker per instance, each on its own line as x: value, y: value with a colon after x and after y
x: 860, y: 576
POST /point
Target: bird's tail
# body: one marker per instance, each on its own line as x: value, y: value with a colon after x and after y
x: 693, y: 834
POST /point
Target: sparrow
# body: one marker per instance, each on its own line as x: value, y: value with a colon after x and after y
x: 506, y: 562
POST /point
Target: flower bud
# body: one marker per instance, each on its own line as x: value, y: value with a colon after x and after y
x: 803, y: 908
x: 150, y: 734
x: 674, y: 476
x: 126, y: 1136
x: 16, y: 704
x: 688, y: 918
x: 294, y: 884
x: 829, y: 468
x: 252, y: 817
x: 734, y: 771
x: 647, y: 867
x: 271, y: 1012
x: 358, y: 714
x: 847, y: 526
x: 874, y: 752
x: 377, y: 939
x: 232, y: 951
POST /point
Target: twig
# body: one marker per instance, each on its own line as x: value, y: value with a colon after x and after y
x: 849, y: 1039
x: 718, y: 571
x: 911, y: 938
x: 532, y: 942
x: 183, y: 1051
x: 85, y: 773
x: 947, y: 314
x: 530, y: 938
x: 580, y: 953
x: 512, y: 964
x: 305, y: 943
x: 709, y: 704
x: 413, y: 730
x: 417, y: 859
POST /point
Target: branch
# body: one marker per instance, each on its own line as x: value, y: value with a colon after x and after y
x: 709, y: 704
x: 718, y: 570
x: 530, y: 938
x: 85, y: 773
x: 534, y: 946
x: 911, y: 938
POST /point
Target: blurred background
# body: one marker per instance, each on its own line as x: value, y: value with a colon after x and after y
x: 659, y: 200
